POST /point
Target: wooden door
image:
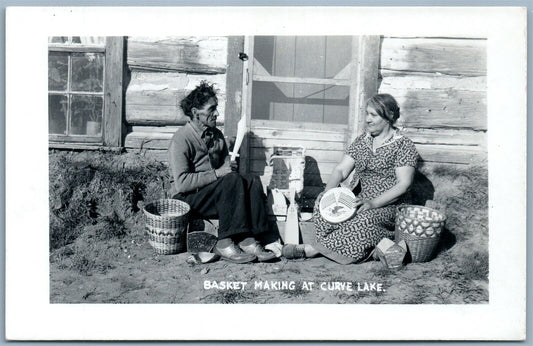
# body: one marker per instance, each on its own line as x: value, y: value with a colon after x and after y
x: 306, y: 91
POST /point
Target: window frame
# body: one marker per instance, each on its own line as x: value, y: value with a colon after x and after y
x: 112, y: 114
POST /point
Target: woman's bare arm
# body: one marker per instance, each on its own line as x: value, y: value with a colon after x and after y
x: 340, y: 172
x: 404, y: 179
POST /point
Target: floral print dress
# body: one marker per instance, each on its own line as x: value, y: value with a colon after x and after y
x: 353, y: 240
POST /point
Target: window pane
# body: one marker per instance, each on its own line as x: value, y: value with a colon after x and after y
x: 86, y: 114
x: 303, y: 56
x: 300, y: 102
x: 58, y: 39
x: 89, y: 40
x: 57, y: 114
x: 87, y: 72
x: 57, y: 71
x: 85, y: 40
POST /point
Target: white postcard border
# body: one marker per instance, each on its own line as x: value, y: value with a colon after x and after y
x: 28, y: 312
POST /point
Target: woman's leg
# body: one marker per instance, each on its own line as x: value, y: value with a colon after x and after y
x: 355, y: 238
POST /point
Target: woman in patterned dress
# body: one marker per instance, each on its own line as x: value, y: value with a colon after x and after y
x: 384, y: 162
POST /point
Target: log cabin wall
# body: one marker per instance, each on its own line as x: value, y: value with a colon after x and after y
x: 441, y: 85
x: 163, y: 71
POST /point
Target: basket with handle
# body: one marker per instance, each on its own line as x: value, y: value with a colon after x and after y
x: 420, y: 227
x: 166, y: 225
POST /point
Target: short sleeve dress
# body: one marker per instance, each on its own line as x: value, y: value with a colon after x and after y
x: 353, y: 240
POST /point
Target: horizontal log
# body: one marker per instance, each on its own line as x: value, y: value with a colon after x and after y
x: 147, y: 137
x: 257, y: 142
x: 159, y: 155
x: 157, y: 129
x: 455, y: 154
x: 288, y: 133
x: 428, y: 168
x: 446, y: 136
x: 285, y: 125
x: 74, y: 145
x: 56, y: 138
x: 154, y: 115
x: 311, y: 155
x: 148, y: 140
x: 160, y: 129
x: 154, y: 98
x: 392, y: 82
x: 447, y: 56
x: 317, y: 171
x: 189, y: 54
x: 443, y: 109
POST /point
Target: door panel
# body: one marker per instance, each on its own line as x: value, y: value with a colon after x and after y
x: 305, y: 91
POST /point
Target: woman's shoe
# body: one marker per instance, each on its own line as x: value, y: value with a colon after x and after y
x: 293, y: 251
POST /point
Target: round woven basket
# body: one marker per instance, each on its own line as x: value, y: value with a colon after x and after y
x: 166, y: 225
x: 420, y: 227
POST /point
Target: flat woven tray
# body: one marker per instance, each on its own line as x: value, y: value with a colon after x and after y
x: 337, y: 205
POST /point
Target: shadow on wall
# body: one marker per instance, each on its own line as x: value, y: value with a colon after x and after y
x: 312, y: 177
x: 257, y: 153
x: 422, y: 189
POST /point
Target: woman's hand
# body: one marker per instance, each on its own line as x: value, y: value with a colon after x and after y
x: 362, y: 205
x: 318, y: 198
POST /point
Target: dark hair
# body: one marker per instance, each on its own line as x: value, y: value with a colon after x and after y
x: 197, y: 98
x: 385, y: 106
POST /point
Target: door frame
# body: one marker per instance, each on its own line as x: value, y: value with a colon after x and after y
x: 363, y: 82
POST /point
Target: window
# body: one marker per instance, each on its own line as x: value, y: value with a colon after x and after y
x: 84, y: 91
x: 302, y: 78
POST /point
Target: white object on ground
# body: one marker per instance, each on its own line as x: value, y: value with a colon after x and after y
x: 275, y: 247
x: 292, y: 229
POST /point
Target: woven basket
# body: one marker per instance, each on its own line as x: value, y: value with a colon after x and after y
x: 166, y: 225
x: 420, y: 227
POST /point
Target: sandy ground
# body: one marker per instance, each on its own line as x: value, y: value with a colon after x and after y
x: 100, y: 253
x: 129, y: 271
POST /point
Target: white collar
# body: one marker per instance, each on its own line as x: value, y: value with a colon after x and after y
x: 396, y: 135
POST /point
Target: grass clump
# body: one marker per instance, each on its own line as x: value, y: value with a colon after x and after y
x: 461, y: 193
x: 103, y: 189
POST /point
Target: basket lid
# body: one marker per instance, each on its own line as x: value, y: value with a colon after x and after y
x: 337, y: 205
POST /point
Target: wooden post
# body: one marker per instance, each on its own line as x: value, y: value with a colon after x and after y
x: 365, y: 73
x: 248, y: 66
x: 234, y: 89
x: 113, y: 98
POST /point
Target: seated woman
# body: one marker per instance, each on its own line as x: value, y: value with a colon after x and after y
x: 384, y: 162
